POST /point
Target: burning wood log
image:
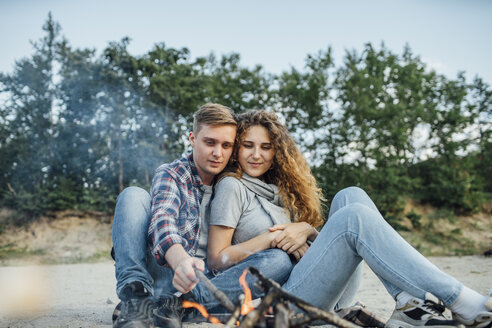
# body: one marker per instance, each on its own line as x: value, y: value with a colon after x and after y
x: 220, y: 296
x: 281, y: 316
x: 278, y: 298
x: 234, y: 317
x: 312, y: 313
x: 255, y: 316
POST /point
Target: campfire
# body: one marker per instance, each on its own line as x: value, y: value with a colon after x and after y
x: 277, y: 308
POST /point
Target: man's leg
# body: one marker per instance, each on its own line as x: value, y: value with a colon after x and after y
x: 272, y: 263
x: 134, y: 283
x: 130, y: 224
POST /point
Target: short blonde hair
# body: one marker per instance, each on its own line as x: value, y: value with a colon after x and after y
x: 213, y: 114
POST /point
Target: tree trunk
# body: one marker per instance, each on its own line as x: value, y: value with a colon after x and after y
x: 120, y: 162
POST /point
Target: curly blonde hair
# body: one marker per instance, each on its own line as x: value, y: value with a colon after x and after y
x: 290, y: 170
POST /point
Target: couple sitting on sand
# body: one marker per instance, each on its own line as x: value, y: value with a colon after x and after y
x: 245, y: 196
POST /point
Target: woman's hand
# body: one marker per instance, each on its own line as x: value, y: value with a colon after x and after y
x: 292, y: 236
x: 299, y: 253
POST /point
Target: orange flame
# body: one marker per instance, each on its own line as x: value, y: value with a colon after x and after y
x: 203, y: 311
x: 247, y: 305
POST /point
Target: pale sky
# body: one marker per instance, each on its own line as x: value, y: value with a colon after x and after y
x: 449, y: 35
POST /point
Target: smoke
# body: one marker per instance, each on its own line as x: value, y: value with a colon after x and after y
x: 106, y: 136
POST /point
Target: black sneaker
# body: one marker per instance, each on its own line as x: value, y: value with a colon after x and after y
x: 420, y: 313
x: 169, y: 313
x: 359, y: 315
x: 137, y: 310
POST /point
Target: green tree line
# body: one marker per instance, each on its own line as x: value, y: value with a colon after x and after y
x: 76, y: 127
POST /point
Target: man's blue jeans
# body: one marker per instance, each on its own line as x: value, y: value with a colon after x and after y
x: 356, y: 231
x: 135, y: 263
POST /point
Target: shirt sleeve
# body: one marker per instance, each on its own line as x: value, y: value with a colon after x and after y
x: 163, y: 227
x: 227, y: 203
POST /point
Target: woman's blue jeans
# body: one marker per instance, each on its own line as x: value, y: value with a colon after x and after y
x: 133, y: 261
x: 356, y: 231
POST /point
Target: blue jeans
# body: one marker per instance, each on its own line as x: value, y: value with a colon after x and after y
x: 356, y: 231
x: 134, y: 262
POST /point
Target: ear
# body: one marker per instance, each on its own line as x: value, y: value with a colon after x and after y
x: 191, y: 138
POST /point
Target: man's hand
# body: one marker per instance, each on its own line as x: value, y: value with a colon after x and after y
x: 292, y: 237
x: 184, y: 267
x: 184, y: 274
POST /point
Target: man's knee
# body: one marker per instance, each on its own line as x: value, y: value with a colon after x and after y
x: 275, y: 264
x: 132, y: 209
x: 134, y: 194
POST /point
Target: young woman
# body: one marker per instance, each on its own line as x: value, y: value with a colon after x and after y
x: 269, y: 199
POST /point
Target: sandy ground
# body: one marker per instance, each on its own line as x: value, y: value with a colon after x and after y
x: 82, y: 295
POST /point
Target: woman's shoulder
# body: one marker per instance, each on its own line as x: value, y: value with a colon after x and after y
x: 229, y: 182
x: 230, y: 189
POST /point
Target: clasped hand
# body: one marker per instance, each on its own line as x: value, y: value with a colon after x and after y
x: 292, y: 238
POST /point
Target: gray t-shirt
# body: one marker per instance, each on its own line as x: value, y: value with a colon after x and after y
x: 201, y: 252
x: 250, y: 206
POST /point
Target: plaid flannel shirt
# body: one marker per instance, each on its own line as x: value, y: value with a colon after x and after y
x: 176, y: 195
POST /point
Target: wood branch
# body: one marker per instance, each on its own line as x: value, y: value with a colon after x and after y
x: 301, y: 319
x: 257, y: 314
x: 234, y: 317
x: 219, y: 295
x: 274, y: 288
x: 275, y: 296
x: 281, y: 316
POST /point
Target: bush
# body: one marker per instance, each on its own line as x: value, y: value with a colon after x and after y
x: 448, y: 184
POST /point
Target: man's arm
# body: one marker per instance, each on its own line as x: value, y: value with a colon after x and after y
x: 166, y: 242
x: 163, y: 228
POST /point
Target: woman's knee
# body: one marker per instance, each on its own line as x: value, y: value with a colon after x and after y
x: 349, y: 196
x: 356, y: 216
x: 349, y: 193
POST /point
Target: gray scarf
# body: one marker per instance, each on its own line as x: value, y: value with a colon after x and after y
x: 269, y: 197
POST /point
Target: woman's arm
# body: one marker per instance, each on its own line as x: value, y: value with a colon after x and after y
x: 293, y: 235
x: 222, y: 255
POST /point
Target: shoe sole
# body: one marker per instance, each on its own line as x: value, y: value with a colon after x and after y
x: 402, y: 324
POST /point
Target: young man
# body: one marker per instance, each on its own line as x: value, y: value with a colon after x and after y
x: 173, y: 223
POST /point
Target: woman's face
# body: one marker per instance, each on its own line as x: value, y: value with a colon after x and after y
x: 256, y: 151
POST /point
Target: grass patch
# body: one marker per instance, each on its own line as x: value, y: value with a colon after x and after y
x: 441, y: 233
x: 98, y: 257
x: 443, y: 213
x: 10, y: 251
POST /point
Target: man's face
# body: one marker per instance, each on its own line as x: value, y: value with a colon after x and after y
x: 212, y: 148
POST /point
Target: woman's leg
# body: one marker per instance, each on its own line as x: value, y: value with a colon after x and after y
x: 355, y: 232
x: 348, y: 295
x: 349, y: 196
x: 344, y: 198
